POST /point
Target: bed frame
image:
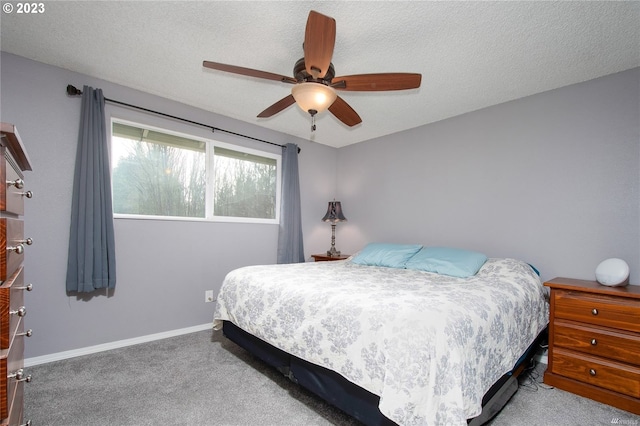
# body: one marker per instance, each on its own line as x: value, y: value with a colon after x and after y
x: 356, y: 401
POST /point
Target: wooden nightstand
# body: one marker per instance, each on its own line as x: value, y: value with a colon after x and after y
x: 594, y: 341
x: 326, y: 258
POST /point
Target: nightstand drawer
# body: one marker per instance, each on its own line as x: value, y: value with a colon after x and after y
x: 609, y: 311
x: 621, y: 378
x: 605, y: 342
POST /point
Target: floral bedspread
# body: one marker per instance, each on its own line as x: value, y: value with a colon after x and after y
x: 429, y: 345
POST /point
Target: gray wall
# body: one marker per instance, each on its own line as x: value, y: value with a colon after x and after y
x: 163, y: 267
x: 552, y: 179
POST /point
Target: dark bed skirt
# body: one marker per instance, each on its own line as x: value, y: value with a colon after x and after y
x: 354, y: 400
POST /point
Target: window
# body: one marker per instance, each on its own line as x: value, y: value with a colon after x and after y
x: 157, y: 173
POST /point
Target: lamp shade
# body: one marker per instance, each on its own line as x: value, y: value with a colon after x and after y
x: 334, y: 213
x: 313, y: 96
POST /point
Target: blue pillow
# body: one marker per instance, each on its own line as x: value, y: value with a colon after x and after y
x: 447, y: 261
x: 383, y: 254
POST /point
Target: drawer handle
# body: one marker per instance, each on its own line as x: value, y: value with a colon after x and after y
x: 594, y: 311
x: 18, y: 183
x: 27, y: 333
x: 594, y: 342
x: 21, y: 311
x: 18, y: 249
x: 28, y: 241
x: 592, y: 372
x: 27, y: 194
x: 19, y: 376
x: 28, y: 287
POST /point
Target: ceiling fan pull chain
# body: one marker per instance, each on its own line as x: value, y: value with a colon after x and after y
x: 313, y: 113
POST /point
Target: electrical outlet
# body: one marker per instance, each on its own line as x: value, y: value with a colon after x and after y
x: 208, y: 296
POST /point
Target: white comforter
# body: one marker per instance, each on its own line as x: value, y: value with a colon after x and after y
x: 429, y: 345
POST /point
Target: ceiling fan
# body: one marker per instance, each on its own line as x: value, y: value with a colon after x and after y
x: 314, y: 79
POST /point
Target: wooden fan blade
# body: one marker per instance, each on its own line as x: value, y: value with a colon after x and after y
x: 344, y: 112
x: 248, y: 72
x: 377, y: 82
x: 278, y: 106
x: 319, y: 40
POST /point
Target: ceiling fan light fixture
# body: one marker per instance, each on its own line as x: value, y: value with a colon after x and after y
x: 313, y: 96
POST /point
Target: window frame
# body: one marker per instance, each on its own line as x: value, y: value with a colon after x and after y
x: 210, y: 145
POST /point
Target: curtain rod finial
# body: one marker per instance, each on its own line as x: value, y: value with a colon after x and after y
x: 72, y: 91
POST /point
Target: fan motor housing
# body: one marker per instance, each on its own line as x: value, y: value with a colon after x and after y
x: 300, y: 73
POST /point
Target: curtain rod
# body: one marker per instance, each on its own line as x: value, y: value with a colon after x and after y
x: 73, y: 91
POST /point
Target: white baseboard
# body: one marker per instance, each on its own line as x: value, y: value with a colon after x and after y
x: 28, y: 362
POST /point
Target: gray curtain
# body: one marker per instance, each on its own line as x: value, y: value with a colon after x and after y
x: 290, y: 247
x: 92, y: 263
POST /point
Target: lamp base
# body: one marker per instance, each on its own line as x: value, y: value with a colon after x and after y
x: 333, y: 252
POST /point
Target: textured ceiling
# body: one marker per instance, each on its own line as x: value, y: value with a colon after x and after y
x: 471, y: 54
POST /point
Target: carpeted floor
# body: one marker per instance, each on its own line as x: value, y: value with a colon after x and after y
x: 204, y: 379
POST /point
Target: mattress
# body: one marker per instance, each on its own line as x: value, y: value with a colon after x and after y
x: 428, y: 345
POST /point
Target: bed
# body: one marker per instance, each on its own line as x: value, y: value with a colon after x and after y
x: 389, y: 337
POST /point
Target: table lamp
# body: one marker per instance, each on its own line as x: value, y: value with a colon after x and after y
x: 334, y: 215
